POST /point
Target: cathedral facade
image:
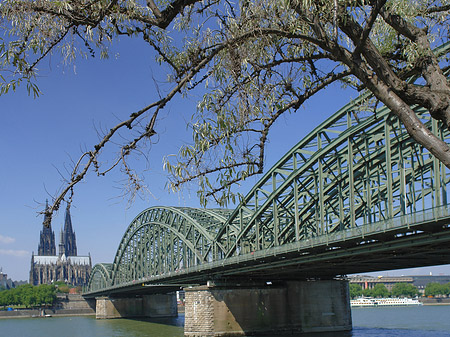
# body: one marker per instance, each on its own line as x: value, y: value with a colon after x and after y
x: 67, y: 266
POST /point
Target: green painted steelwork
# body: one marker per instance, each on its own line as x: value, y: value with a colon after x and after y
x: 353, y: 170
x: 166, y: 239
x: 100, y: 277
x: 356, y: 185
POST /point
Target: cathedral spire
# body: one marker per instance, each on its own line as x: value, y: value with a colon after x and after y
x: 61, y: 243
x: 68, y: 244
x: 46, y: 245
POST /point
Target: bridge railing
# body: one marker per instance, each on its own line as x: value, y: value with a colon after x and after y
x: 404, y: 224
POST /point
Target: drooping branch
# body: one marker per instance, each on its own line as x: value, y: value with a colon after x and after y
x: 369, y: 25
x: 201, y: 169
x: 78, y: 175
x: 49, y: 49
x: 257, y: 61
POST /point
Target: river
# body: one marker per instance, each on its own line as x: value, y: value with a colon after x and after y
x: 423, y: 321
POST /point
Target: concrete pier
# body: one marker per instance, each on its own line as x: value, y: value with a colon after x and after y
x: 156, y: 305
x: 292, y: 307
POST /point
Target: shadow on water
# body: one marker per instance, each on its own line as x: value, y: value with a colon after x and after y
x: 171, y: 321
x: 315, y: 334
x: 179, y: 322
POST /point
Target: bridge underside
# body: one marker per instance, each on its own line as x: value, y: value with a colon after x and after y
x: 425, y: 249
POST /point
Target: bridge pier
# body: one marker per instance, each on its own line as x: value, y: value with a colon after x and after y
x: 293, y: 307
x: 156, y: 305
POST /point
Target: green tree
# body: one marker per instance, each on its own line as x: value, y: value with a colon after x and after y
x: 379, y: 290
x: 45, y: 294
x: 404, y: 289
x: 9, y: 297
x: 15, y: 296
x: 435, y: 289
x: 355, y: 290
x: 447, y: 289
x: 254, y: 60
x: 27, y: 295
x: 3, y: 298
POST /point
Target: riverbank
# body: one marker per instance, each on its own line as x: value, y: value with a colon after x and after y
x: 435, y: 301
x: 76, y: 305
x: 66, y: 305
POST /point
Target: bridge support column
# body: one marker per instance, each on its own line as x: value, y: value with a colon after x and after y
x: 155, y: 305
x: 294, y: 307
x: 118, y: 307
x: 160, y: 305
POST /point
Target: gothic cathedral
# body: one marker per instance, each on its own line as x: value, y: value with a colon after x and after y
x: 67, y: 266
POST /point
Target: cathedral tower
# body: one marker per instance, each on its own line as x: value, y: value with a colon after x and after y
x: 47, y: 245
x: 68, y: 242
x: 47, y: 267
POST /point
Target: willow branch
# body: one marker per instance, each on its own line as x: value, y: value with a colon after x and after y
x: 368, y: 27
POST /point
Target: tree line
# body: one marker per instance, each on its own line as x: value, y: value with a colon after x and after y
x: 399, y: 290
x: 29, y: 296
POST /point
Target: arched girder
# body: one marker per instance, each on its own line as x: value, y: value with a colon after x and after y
x: 100, y: 277
x: 264, y: 188
x: 331, y: 191
x: 211, y: 219
x: 165, y: 239
x: 370, y: 160
x: 347, y: 179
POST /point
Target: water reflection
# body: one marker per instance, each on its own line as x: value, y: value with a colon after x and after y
x: 426, y: 321
x: 320, y: 334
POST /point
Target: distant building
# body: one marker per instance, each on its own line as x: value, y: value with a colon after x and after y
x: 4, y: 280
x: 420, y: 281
x: 67, y: 266
x: 369, y: 282
x: 7, y: 283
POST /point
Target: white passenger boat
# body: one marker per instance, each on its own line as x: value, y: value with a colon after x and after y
x: 384, y: 302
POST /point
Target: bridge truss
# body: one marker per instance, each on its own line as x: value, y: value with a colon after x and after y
x: 356, y: 191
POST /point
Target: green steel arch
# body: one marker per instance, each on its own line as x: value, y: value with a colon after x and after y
x: 352, y: 175
x: 100, y: 277
x: 356, y: 168
x: 356, y: 177
x: 162, y: 240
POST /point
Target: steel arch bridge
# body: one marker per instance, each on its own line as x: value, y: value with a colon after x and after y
x: 356, y: 195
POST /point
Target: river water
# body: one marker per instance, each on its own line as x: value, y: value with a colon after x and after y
x: 423, y: 321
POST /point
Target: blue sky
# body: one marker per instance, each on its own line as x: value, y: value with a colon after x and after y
x: 39, y: 139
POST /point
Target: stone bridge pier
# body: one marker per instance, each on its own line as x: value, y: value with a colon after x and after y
x: 155, y: 305
x: 288, y: 308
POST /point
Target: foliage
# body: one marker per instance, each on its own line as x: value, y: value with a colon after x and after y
x: 435, y: 289
x: 63, y: 289
x: 355, y: 290
x: 29, y: 296
x: 59, y: 283
x: 404, y: 290
x: 254, y: 61
x: 379, y: 290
